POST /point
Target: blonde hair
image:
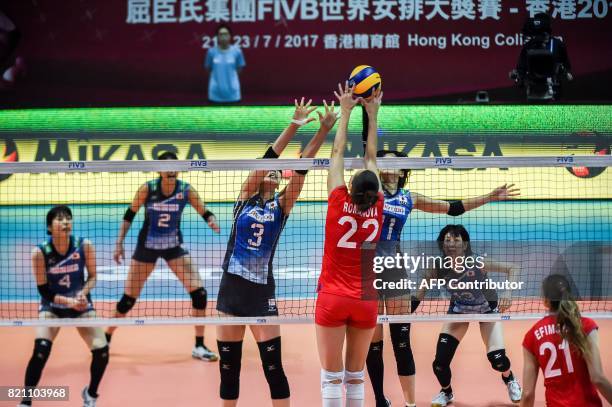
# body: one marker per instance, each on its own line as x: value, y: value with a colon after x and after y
x: 556, y: 290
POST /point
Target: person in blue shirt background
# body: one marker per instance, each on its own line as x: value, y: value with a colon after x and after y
x: 224, y: 62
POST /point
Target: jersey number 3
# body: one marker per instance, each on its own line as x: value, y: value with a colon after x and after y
x: 344, y: 240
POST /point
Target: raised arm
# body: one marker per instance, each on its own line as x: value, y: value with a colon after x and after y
x: 455, y: 208
x: 371, y: 107
x: 139, y: 200
x: 291, y: 193
x: 300, y: 118
x: 196, y: 202
x: 335, y: 175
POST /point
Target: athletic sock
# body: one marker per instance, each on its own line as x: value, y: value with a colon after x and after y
x: 509, y: 378
x: 448, y: 391
x: 199, y: 341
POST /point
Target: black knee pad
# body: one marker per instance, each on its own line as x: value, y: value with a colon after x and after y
x: 499, y: 360
x: 400, y: 338
x: 42, y: 349
x: 271, y: 361
x: 125, y: 304
x: 230, y: 354
x: 445, y: 351
x: 198, y: 298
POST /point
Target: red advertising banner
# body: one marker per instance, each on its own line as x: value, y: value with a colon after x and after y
x: 151, y: 52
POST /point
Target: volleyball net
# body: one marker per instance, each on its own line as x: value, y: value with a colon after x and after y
x: 560, y: 223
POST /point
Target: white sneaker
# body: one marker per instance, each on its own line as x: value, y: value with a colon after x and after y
x: 88, y: 401
x: 203, y: 353
x: 514, y: 391
x: 442, y: 400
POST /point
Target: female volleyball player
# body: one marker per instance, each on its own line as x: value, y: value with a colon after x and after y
x: 454, y: 243
x: 353, y: 218
x: 565, y: 346
x: 399, y: 203
x: 247, y: 285
x: 164, y: 199
x: 59, y: 268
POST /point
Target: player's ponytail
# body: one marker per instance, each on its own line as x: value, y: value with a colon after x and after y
x: 556, y: 290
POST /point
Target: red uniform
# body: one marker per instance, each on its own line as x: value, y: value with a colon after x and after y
x: 566, y: 376
x: 340, y: 285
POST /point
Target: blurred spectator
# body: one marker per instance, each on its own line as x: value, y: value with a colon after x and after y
x: 11, y: 66
x: 224, y: 62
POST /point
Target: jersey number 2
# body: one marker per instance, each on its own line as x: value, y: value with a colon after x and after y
x: 164, y: 218
x: 549, y: 371
x: 344, y: 240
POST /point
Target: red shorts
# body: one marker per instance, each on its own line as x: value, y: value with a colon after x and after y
x: 335, y: 310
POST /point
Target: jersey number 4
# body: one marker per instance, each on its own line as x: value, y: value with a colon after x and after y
x: 65, y: 281
x: 344, y: 240
x: 549, y: 371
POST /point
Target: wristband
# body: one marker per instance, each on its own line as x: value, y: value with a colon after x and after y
x: 270, y: 153
x: 206, y: 215
x: 299, y: 123
x: 44, y: 292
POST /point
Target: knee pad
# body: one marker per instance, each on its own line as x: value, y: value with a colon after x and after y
x: 198, y: 298
x: 272, y: 364
x: 329, y: 389
x: 125, y: 304
x: 499, y: 360
x: 400, y: 338
x: 230, y: 354
x: 445, y: 351
x: 42, y: 349
x: 354, y: 391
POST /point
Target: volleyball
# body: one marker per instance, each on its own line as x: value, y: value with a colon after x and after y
x: 365, y: 79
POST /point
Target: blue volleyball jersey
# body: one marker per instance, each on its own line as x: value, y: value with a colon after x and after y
x: 465, y: 301
x: 253, y: 239
x: 65, y: 273
x: 161, y: 229
x: 395, y: 213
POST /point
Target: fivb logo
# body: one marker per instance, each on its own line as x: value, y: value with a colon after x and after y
x: 198, y: 164
x: 565, y: 160
x: 320, y: 162
x: 76, y: 165
x: 443, y: 162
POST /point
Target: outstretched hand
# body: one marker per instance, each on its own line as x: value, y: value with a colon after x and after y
x: 302, y: 111
x: 504, y: 193
x: 372, y: 104
x: 345, y: 97
x: 328, y: 119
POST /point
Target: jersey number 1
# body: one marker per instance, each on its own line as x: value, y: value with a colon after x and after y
x: 344, y: 240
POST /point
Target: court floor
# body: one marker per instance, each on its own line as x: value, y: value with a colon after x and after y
x: 152, y: 366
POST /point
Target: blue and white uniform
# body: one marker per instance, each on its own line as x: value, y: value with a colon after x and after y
x: 65, y: 275
x: 396, y: 210
x: 161, y: 235
x: 470, y: 301
x: 247, y: 287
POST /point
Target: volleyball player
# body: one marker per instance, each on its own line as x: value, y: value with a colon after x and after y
x: 354, y: 217
x: 247, y: 287
x: 164, y: 200
x: 565, y: 346
x: 454, y: 243
x: 59, y: 266
x: 399, y: 204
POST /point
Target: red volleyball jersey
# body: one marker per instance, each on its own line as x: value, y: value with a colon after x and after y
x: 566, y: 376
x: 346, y: 229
